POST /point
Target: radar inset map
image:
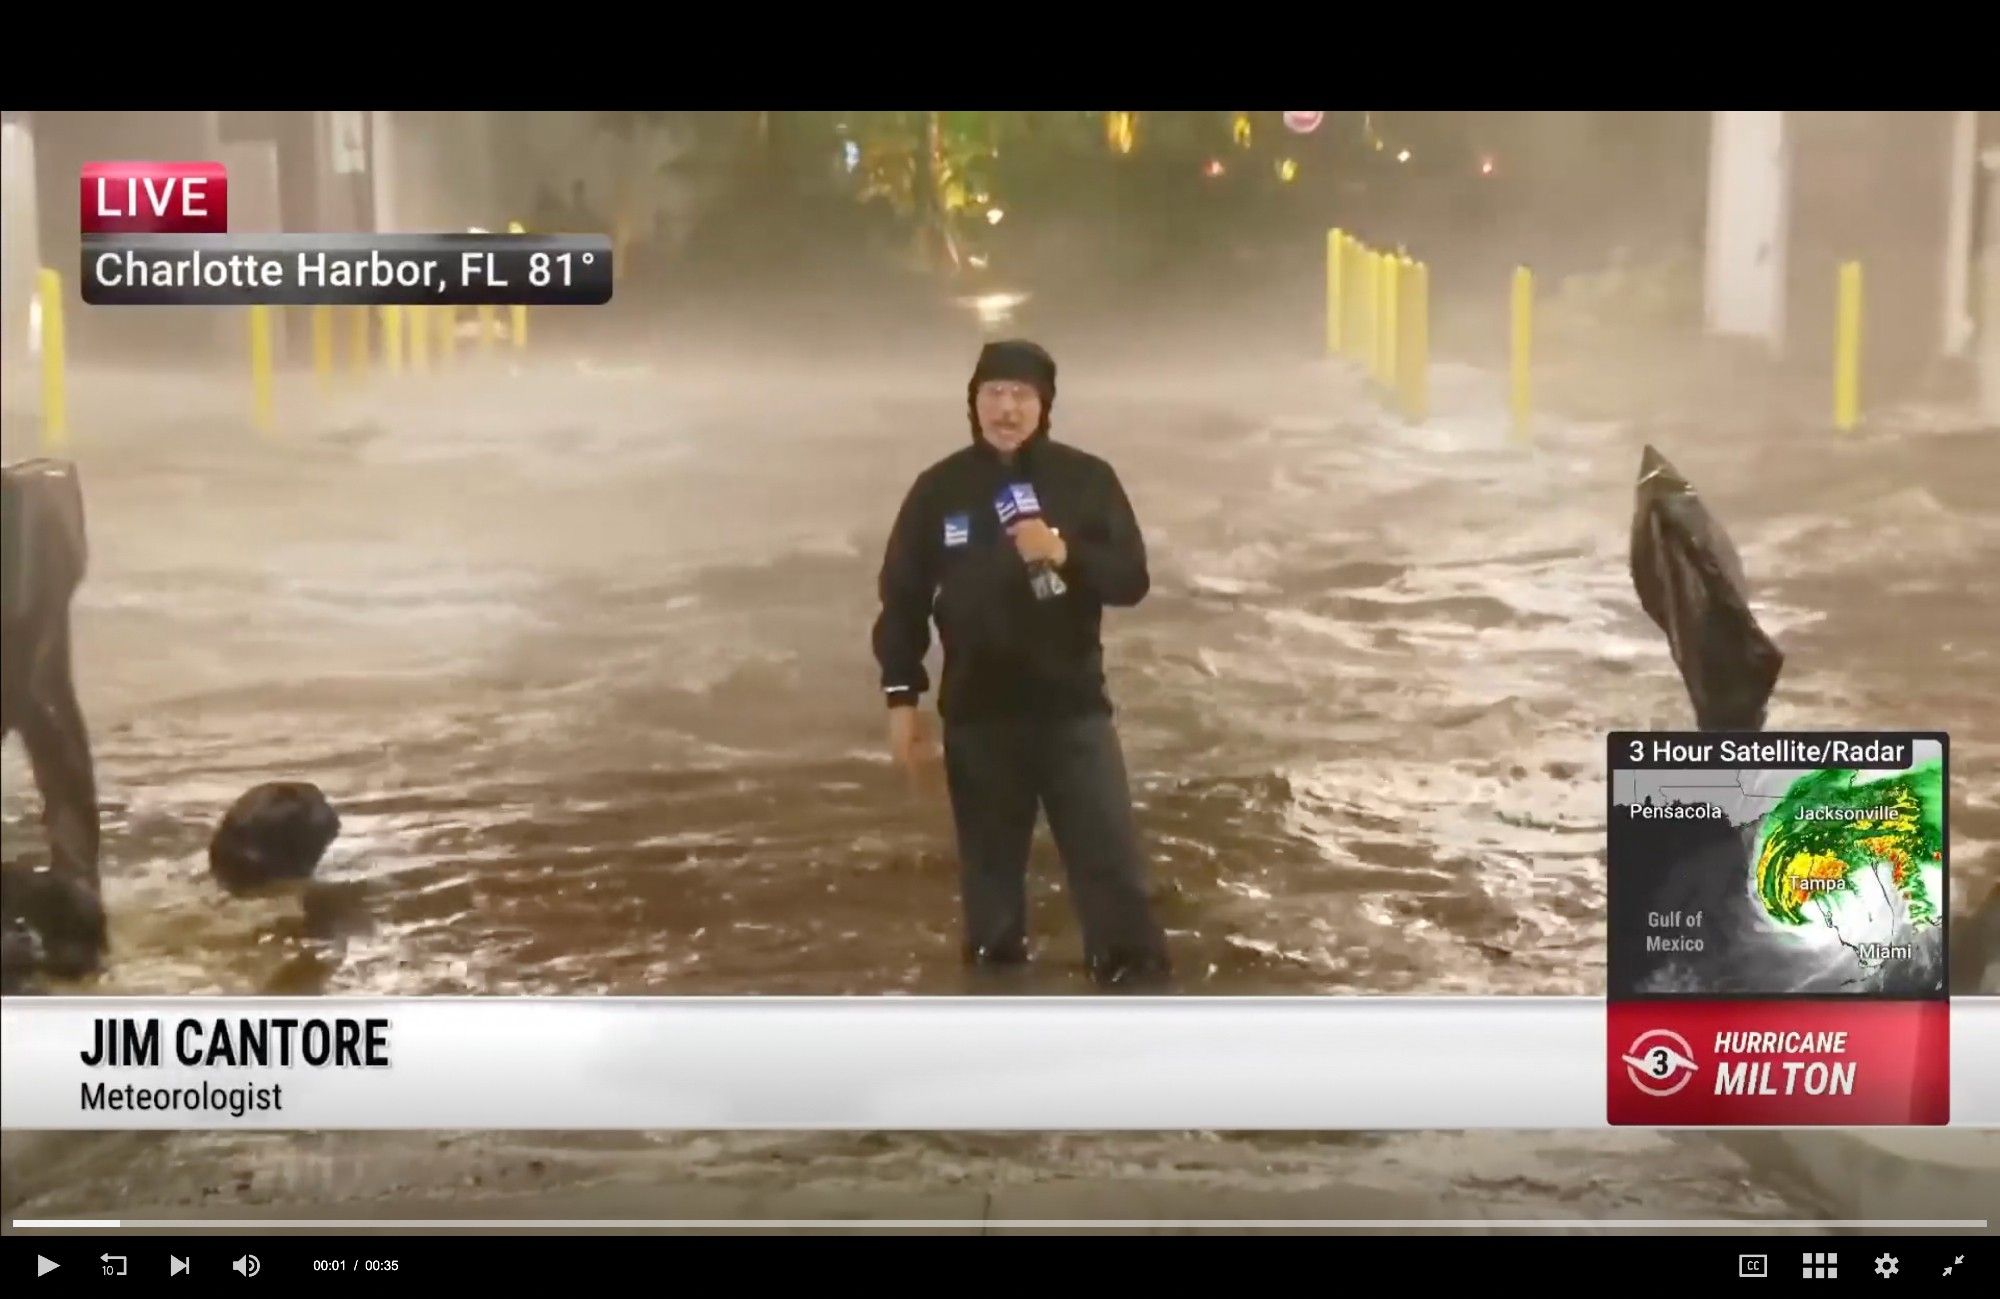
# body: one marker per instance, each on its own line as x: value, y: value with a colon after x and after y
x: 1774, y: 881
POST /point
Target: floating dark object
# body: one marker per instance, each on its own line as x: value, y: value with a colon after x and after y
x: 275, y: 834
x: 51, y: 923
x: 1690, y: 582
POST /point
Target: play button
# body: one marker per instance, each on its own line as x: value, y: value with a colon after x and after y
x: 44, y: 1266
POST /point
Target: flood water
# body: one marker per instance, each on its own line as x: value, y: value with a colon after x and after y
x: 580, y: 655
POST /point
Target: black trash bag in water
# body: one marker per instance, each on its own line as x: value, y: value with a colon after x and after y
x: 274, y: 835
x: 1690, y: 582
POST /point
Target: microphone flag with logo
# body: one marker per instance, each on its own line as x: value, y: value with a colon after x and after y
x: 1017, y: 501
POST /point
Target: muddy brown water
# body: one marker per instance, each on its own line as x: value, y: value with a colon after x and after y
x: 580, y: 655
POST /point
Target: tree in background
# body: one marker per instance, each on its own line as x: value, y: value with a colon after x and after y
x: 934, y: 171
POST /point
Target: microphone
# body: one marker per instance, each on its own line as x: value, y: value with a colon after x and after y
x: 1018, y: 501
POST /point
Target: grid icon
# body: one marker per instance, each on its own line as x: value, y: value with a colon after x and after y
x: 1820, y: 1267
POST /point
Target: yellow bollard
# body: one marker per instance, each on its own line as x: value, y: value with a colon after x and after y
x: 1365, y: 306
x: 1347, y: 279
x: 1405, y: 284
x: 1847, y: 349
x: 392, y: 338
x: 322, y: 327
x: 488, y: 319
x: 447, y: 332
x: 1350, y: 307
x: 1521, y: 336
x: 1392, y: 272
x: 1378, y: 277
x: 263, y: 412
x: 419, y: 332
x: 1336, y: 251
x: 1415, y: 351
x: 55, y: 393
x: 357, y: 341
x: 518, y: 313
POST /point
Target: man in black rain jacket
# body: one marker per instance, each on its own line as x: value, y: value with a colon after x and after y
x: 1015, y: 545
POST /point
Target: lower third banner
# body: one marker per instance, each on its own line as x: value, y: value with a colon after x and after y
x: 982, y: 1064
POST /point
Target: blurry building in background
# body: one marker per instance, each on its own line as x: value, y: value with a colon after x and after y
x: 1788, y: 197
x: 1986, y: 302
x: 60, y: 144
x: 1792, y: 195
x: 20, y: 261
x: 295, y: 170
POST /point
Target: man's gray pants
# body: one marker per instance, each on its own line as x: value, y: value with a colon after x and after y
x: 1001, y: 773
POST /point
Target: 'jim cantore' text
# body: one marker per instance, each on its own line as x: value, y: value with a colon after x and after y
x: 275, y: 1043
x: 349, y: 270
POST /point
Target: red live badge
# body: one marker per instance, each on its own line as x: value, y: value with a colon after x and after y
x: 155, y: 198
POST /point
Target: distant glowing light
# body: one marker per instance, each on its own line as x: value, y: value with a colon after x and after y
x: 1404, y: 156
x: 851, y: 154
x: 978, y: 260
x: 1241, y: 130
x: 1119, y: 132
x: 1212, y: 168
x: 1486, y: 167
x: 1288, y: 170
x: 994, y: 309
x: 993, y: 216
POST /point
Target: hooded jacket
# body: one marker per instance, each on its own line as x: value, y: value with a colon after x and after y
x: 948, y: 559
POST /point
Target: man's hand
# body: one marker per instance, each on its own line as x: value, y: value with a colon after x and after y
x: 910, y: 742
x: 1037, y: 541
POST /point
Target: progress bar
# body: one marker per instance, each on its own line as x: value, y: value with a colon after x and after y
x: 519, y: 1224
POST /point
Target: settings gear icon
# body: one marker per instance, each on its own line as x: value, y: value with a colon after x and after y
x: 1885, y: 1266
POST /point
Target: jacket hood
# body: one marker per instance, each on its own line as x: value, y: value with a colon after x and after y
x: 1018, y: 359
